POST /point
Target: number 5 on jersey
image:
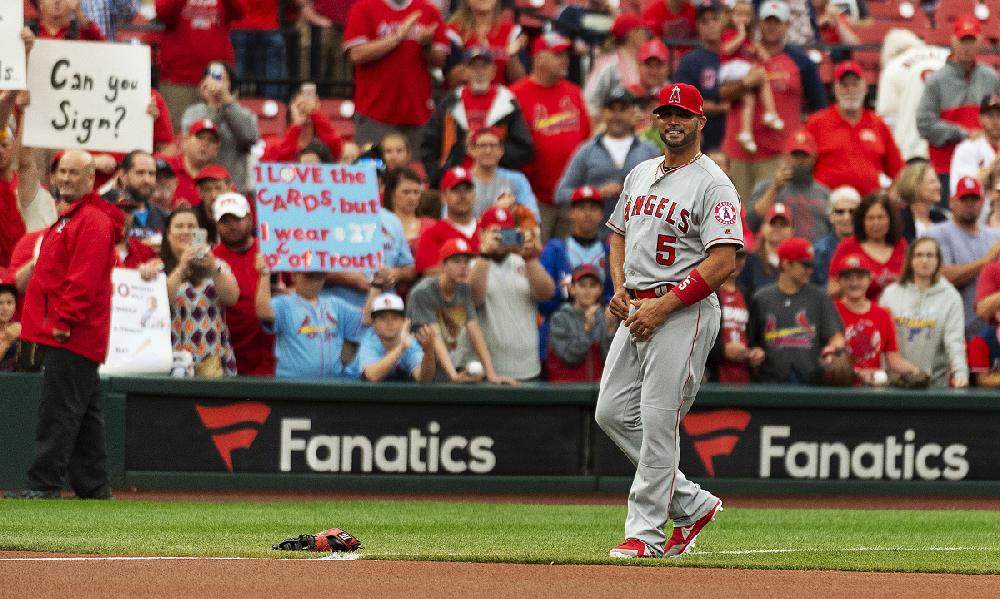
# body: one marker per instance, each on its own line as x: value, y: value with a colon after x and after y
x: 664, y: 251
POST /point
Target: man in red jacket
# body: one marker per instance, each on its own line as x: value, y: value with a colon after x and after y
x: 68, y: 311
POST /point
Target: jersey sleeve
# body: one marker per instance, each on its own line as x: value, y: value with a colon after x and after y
x: 616, y: 222
x: 282, y: 316
x: 720, y: 217
x: 357, y: 29
x: 370, y: 350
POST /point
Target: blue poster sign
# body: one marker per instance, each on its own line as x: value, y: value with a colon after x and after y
x: 318, y: 217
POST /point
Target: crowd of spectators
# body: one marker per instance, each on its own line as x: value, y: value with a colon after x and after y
x: 501, y: 152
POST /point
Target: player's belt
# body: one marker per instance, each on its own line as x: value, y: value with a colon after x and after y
x: 659, y: 291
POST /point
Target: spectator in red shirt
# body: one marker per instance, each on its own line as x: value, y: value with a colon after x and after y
x: 260, y: 48
x: 163, y: 126
x: 855, y: 146
x: 308, y: 123
x: 869, y: 332
x: 735, y: 356
x: 393, y: 46
x: 988, y: 292
x: 200, y: 148
x: 557, y: 117
x: 11, y: 192
x: 877, y: 240
x: 254, y: 348
x: 63, y: 20
x: 460, y: 197
x: 672, y: 19
x: 482, y: 24
x: 197, y: 33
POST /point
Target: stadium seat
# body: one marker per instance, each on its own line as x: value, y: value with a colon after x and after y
x: 340, y: 112
x: 271, y: 119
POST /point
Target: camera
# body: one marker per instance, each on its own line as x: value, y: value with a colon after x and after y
x: 511, y: 237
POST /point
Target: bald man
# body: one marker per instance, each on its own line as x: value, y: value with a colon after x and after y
x: 67, y: 312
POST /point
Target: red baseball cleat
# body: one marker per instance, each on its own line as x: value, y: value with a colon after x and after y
x: 684, y: 536
x: 633, y: 548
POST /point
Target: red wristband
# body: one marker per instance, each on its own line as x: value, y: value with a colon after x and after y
x: 692, y: 289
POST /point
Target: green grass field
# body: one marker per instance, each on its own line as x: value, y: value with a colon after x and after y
x: 877, y: 540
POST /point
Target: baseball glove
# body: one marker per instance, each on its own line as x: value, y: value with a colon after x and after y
x: 836, y: 369
x: 334, y: 540
x: 911, y: 380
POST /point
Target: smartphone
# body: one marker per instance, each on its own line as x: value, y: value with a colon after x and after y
x: 309, y: 89
x: 415, y: 326
x: 215, y: 71
x: 199, y: 237
x: 512, y: 237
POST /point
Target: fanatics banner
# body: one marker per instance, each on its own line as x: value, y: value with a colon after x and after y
x: 319, y: 217
x: 13, y: 69
x: 89, y: 96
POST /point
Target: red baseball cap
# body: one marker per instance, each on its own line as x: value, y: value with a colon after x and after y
x: 851, y: 262
x: 586, y: 270
x: 454, y: 176
x: 795, y: 249
x: 626, y: 23
x: 654, y: 48
x: 549, y: 42
x: 486, y: 131
x: 681, y: 95
x: 848, y: 67
x: 456, y: 246
x: 968, y: 186
x: 495, y: 215
x: 778, y: 211
x: 967, y: 26
x: 586, y: 193
x: 801, y: 141
x: 203, y: 125
x: 212, y: 171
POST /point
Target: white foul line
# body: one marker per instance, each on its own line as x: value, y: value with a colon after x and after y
x: 831, y: 550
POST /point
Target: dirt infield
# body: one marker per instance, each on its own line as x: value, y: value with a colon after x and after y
x: 242, y: 579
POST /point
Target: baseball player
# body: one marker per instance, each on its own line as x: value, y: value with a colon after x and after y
x: 676, y: 230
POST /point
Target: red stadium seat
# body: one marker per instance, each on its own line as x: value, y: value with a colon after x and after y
x: 270, y: 113
x: 340, y: 112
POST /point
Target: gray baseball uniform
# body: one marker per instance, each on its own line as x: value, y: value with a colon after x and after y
x: 669, y: 220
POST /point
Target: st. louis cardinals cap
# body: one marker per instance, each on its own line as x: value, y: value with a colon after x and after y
x: 455, y: 246
x: 968, y: 187
x: 851, y: 263
x: 388, y: 302
x: 212, y: 171
x: 801, y: 141
x: 203, y: 125
x: 654, y: 48
x: 848, y: 67
x: 681, y: 95
x: 967, y: 26
x: 586, y: 193
x: 549, y: 42
x: 496, y: 215
x: 795, y: 249
x: 455, y: 176
x: 627, y: 23
x: 778, y: 211
x: 230, y: 203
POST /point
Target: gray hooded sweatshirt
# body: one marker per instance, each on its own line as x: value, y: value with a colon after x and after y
x: 930, y: 327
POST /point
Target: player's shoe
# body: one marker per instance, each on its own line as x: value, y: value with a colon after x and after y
x: 683, y: 538
x: 633, y: 548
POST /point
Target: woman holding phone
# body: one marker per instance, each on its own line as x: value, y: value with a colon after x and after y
x: 199, y: 287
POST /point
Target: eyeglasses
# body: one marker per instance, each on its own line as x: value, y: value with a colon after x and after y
x: 843, y: 210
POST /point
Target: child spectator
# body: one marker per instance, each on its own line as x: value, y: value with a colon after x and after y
x: 868, y: 329
x: 9, y: 330
x: 739, y: 53
x: 579, y: 335
x: 984, y: 355
x: 309, y: 329
x: 736, y: 358
x: 390, y: 350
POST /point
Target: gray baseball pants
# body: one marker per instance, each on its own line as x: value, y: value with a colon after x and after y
x: 647, y: 389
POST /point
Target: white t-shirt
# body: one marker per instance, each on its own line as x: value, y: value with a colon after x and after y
x: 618, y: 148
x: 508, y: 318
x: 899, y: 89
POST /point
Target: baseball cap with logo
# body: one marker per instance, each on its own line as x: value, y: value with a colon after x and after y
x: 654, y: 48
x: 851, y: 263
x: 496, y: 215
x: 627, y: 23
x: 681, y: 95
x: 848, y: 67
x: 795, y: 249
x: 203, y: 125
x: 455, y: 246
x: 477, y: 52
x: 990, y: 102
x: 230, y: 203
x: 778, y: 211
x: 388, y: 302
x: 549, y: 42
x: 586, y: 270
x: 775, y: 8
x: 619, y: 96
x: 212, y: 171
x: 586, y: 193
x: 801, y: 141
x: 968, y: 186
x: 455, y: 176
x: 967, y: 26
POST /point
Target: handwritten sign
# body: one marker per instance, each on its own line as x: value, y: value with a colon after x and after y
x: 319, y: 217
x: 88, y: 96
x: 12, y: 61
x: 140, y: 325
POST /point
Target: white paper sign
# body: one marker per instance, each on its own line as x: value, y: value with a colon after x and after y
x: 140, y: 325
x: 88, y: 96
x: 12, y: 67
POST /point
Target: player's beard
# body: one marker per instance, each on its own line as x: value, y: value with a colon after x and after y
x: 688, y: 139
